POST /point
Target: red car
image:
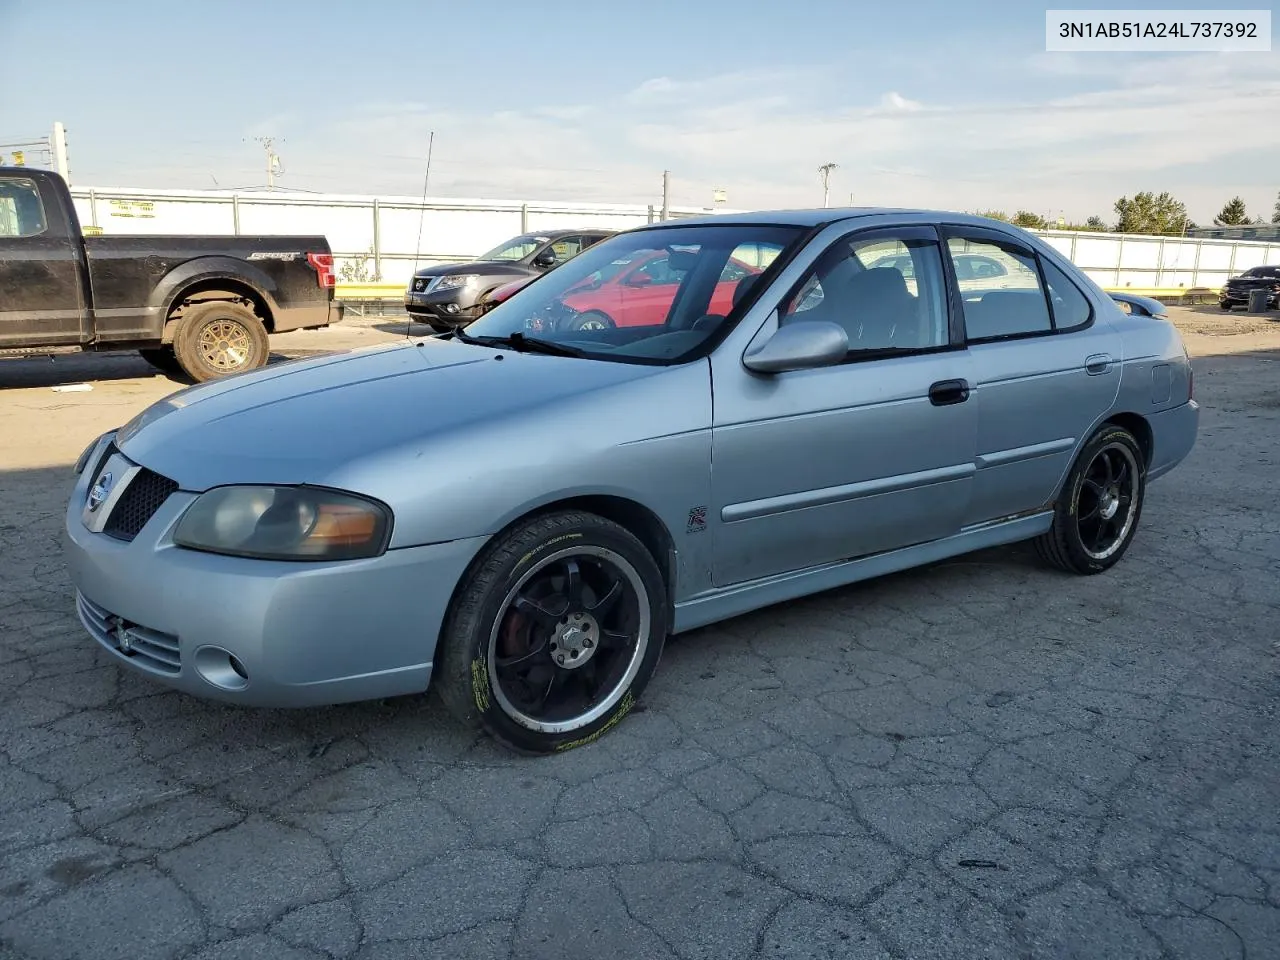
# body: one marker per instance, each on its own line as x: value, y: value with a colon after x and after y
x: 632, y: 293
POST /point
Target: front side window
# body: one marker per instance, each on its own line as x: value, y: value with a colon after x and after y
x: 887, y: 293
x: 1010, y: 303
x: 21, y: 211
x: 567, y: 247
x: 652, y: 295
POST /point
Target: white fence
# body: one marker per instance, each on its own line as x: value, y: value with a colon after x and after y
x: 383, y: 232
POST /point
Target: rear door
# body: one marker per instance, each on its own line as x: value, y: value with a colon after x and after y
x: 1046, y: 369
x: 41, y: 285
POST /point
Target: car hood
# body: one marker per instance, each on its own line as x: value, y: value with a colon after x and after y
x: 309, y: 421
x: 485, y: 268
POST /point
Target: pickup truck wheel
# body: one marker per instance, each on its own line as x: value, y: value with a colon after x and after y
x: 163, y: 359
x: 217, y: 339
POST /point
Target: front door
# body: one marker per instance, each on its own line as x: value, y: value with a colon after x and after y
x: 1045, y: 370
x: 41, y: 298
x: 816, y: 466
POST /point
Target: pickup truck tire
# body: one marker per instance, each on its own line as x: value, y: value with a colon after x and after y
x: 218, y: 339
x: 163, y: 359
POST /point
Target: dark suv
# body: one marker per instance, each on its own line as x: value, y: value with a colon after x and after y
x: 451, y: 295
x: 1236, y: 292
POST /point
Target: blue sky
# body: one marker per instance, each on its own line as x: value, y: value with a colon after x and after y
x: 931, y: 104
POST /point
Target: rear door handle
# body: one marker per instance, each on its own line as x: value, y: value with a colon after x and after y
x: 946, y: 392
x: 1097, y: 364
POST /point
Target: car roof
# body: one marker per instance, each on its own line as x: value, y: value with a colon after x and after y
x: 821, y: 216
x: 553, y: 234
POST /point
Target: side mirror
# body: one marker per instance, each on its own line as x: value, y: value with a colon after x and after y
x: 545, y: 259
x: 800, y: 345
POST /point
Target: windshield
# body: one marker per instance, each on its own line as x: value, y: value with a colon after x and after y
x: 516, y: 249
x: 651, y: 296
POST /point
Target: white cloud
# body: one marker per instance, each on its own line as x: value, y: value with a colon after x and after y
x: 1056, y: 132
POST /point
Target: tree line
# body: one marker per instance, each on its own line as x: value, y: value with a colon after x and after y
x: 1153, y: 214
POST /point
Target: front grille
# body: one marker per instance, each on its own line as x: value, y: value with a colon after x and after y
x: 138, y: 504
x: 148, y: 649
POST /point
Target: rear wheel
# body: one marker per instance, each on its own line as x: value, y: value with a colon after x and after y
x: 1097, y: 515
x: 553, y: 634
x: 163, y: 359
x: 218, y: 339
x: 1225, y: 304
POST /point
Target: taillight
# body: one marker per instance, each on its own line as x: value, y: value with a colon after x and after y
x: 322, y: 263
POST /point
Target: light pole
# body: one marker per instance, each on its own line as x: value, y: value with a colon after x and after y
x: 824, y: 172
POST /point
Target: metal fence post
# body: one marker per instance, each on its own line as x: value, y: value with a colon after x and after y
x: 93, y: 208
x: 377, y: 241
x: 1195, y: 267
x: 524, y: 218
x: 1119, y: 259
x: 1160, y: 261
x: 235, y: 214
x: 651, y: 213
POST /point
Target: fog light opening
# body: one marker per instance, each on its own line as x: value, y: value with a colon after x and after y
x: 221, y: 668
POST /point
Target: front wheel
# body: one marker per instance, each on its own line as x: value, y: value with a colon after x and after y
x: 590, y: 320
x: 218, y: 339
x: 1096, y: 517
x: 553, y: 634
x: 1225, y: 305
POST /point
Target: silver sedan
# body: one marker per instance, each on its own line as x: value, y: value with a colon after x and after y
x: 518, y: 514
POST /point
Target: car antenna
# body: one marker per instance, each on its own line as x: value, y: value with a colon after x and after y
x: 422, y: 213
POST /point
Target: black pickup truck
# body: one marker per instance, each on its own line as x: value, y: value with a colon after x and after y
x: 202, y: 306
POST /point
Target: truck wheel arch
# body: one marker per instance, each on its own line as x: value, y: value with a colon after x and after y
x: 214, y: 278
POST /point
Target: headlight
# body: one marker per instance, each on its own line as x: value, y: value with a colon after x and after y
x: 83, y: 460
x: 285, y: 523
x: 457, y: 280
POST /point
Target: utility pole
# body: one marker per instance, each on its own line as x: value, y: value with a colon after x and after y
x: 273, y: 160
x: 666, y: 194
x: 60, y: 152
x: 824, y: 173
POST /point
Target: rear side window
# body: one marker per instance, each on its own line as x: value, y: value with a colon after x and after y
x: 1001, y: 290
x: 21, y: 212
x: 1070, y: 307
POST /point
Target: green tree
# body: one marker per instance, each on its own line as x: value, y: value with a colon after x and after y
x: 1233, y: 214
x: 1152, y: 214
x: 1275, y: 214
x: 993, y: 215
x: 1029, y: 221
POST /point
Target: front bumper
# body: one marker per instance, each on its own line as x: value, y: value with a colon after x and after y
x: 261, y: 633
x: 455, y: 306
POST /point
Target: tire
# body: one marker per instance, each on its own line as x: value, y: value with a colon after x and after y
x: 439, y: 326
x: 1076, y: 542
x: 509, y: 646
x: 163, y: 359
x: 590, y: 320
x: 219, y: 339
x: 1225, y: 305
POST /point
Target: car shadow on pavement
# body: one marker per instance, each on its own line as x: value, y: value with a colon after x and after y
x: 66, y: 370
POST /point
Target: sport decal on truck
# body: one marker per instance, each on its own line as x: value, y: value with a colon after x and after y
x: 273, y: 256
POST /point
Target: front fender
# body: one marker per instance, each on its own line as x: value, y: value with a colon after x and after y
x: 166, y: 292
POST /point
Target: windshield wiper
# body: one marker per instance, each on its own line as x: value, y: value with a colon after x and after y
x: 520, y: 343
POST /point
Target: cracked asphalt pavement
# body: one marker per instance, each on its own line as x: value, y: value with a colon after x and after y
x: 981, y: 759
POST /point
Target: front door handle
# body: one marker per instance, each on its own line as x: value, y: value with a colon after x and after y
x: 1097, y: 364
x: 946, y: 392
